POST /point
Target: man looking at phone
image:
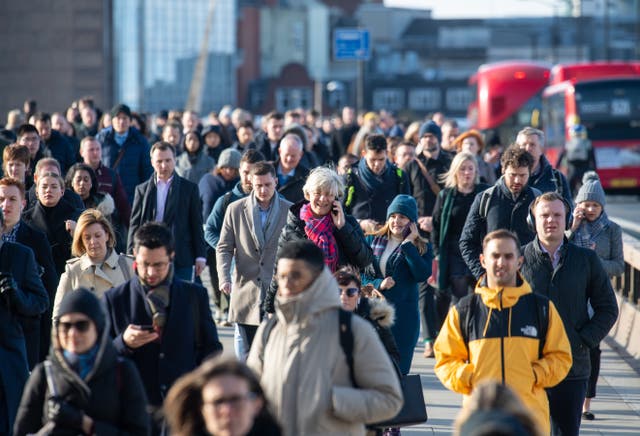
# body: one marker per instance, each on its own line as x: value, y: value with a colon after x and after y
x: 163, y: 324
x: 249, y: 235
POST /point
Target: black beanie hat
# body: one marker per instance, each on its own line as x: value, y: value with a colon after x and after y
x: 83, y: 301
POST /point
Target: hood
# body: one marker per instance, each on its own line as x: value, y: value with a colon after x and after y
x: 320, y: 296
x: 105, y: 356
x: 502, y: 298
x: 381, y: 312
x: 107, y: 206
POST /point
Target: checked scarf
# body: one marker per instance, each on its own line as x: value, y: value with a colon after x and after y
x: 320, y: 232
x: 587, y: 233
x: 379, y: 244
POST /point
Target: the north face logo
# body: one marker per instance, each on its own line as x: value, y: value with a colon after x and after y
x: 529, y: 330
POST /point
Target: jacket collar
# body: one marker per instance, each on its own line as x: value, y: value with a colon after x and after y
x: 502, y: 298
x: 320, y: 296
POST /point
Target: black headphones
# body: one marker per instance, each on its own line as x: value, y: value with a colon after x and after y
x: 531, y: 219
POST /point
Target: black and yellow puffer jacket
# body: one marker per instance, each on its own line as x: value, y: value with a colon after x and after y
x: 503, y: 332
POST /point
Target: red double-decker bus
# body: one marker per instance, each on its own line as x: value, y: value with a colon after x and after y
x: 603, y: 96
x: 508, y: 97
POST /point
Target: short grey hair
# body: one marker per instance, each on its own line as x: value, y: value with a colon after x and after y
x: 295, y: 139
x: 530, y: 131
x: 324, y: 179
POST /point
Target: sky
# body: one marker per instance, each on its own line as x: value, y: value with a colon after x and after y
x: 481, y: 8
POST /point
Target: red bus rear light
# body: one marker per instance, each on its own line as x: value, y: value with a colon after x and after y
x: 519, y: 75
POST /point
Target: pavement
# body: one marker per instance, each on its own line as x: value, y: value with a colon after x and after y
x: 616, y: 406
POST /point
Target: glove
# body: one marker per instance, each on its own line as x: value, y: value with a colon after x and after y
x: 64, y: 414
x: 7, y: 284
x: 7, y: 287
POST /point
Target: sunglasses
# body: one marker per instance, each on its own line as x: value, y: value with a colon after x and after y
x: 350, y: 291
x: 80, y: 326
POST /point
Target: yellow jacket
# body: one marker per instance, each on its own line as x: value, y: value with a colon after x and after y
x: 503, y: 346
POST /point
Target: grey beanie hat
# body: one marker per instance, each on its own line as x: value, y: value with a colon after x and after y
x: 591, y: 189
x: 229, y: 158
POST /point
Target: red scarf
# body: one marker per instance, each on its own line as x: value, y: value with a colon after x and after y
x: 320, y: 232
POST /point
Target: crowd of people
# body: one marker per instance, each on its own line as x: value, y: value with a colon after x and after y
x: 331, y: 245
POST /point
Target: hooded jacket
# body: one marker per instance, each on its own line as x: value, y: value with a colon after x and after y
x: 503, y: 346
x: 304, y: 371
x: 111, y: 394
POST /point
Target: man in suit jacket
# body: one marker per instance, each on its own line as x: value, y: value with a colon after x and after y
x: 36, y: 329
x: 173, y: 200
x: 21, y: 296
x: 163, y: 324
x: 250, y: 233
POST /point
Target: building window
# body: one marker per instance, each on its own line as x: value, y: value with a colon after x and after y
x: 388, y: 98
x: 425, y: 99
x: 291, y: 98
x: 458, y: 99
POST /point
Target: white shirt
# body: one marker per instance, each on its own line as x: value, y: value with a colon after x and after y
x: 162, y: 190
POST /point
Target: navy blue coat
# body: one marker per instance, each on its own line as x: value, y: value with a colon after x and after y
x: 34, y: 327
x: 188, y: 338
x: 29, y: 300
x: 135, y: 165
x: 408, y: 268
x: 60, y: 148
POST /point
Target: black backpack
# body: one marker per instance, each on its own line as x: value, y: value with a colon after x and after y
x: 346, y: 339
x: 466, y: 308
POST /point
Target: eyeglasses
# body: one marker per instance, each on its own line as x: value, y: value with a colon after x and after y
x: 350, y: 291
x: 158, y: 266
x: 80, y: 326
x: 233, y: 401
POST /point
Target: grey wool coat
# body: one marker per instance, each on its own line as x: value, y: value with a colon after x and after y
x: 254, y: 251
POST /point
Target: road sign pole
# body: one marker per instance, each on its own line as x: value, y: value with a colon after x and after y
x: 360, y: 86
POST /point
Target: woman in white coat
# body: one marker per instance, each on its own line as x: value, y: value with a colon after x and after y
x: 96, y: 265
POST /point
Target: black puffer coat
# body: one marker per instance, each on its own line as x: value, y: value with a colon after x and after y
x: 111, y: 394
x: 352, y: 247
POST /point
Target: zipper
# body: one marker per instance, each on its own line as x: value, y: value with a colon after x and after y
x: 501, y: 338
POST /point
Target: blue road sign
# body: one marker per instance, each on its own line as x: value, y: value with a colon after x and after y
x: 351, y: 45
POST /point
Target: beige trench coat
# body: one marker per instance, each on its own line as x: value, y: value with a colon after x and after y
x: 79, y: 273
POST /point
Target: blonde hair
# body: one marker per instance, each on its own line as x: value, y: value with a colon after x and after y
x: 87, y: 218
x: 324, y: 179
x: 419, y: 242
x: 412, y: 130
x: 450, y: 178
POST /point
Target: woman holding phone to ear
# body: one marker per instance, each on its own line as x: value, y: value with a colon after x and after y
x: 321, y: 219
x: 402, y: 260
x: 591, y: 228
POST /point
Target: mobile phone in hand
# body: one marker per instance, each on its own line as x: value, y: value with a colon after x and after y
x: 145, y: 327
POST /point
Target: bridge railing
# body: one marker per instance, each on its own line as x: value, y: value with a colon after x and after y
x: 628, y: 285
x: 626, y: 332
